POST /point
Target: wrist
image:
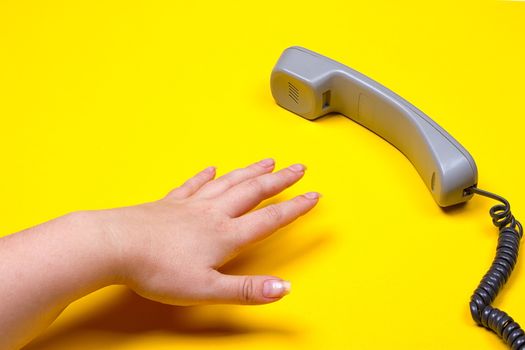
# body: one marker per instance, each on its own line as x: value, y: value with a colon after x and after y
x: 94, y: 234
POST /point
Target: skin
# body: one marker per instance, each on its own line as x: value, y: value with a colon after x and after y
x: 168, y: 250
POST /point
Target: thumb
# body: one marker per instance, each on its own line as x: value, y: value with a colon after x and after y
x: 250, y: 289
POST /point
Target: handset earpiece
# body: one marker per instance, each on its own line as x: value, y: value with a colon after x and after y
x: 312, y: 85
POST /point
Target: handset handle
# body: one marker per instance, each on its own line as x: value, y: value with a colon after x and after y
x: 312, y: 85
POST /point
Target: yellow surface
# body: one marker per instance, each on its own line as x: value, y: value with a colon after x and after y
x: 106, y: 104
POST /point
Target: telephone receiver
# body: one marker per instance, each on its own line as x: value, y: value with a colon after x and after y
x: 312, y: 85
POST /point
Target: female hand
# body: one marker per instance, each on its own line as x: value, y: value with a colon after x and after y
x: 171, y: 248
x: 168, y: 250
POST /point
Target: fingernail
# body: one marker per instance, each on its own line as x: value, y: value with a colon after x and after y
x: 210, y: 169
x: 297, y: 167
x: 268, y: 162
x: 312, y: 195
x: 276, y: 288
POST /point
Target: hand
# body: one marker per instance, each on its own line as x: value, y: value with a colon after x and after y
x: 171, y: 248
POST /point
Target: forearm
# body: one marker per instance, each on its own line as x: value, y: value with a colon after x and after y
x: 45, y: 268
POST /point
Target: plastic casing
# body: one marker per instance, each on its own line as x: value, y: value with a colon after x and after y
x: 312, y: 85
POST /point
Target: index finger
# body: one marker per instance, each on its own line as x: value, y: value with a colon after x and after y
x: 261, y: 223
x: 248, y: 194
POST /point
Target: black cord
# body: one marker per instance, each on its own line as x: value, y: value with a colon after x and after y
x: 510, y: 233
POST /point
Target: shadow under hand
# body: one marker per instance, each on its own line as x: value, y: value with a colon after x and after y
x: 130, y: 316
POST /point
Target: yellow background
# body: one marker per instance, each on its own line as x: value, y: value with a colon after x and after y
x: 106, y: 104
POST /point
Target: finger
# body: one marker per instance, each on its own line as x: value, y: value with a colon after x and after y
x: 193, y: 184
x: 235, y: 177
x: 248, y: 194
x: 250, y: 290
x: 261, y: 223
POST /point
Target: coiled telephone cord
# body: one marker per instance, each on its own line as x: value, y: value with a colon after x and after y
x: 510, y: 233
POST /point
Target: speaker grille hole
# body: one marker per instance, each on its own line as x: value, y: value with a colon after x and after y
x: 293, y: 92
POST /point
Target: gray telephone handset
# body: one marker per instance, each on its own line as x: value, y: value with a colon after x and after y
x: 312, y: 85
